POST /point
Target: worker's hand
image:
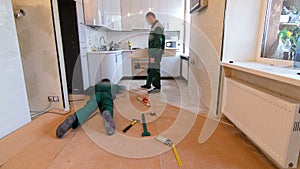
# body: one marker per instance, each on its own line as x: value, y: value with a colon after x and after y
x: 152, y: 60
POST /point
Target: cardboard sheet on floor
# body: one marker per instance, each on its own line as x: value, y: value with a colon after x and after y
x: 132, y: 144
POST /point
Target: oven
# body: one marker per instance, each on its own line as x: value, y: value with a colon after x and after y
x: 139, y: 67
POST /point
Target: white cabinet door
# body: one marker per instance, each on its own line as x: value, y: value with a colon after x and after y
x: 116, y: 16
x: 93, y: 12
x: 136, y: 14
x: 159, y: 7
x: 107, y: 13
x: 170, y: 66
x: 116, y: 7
x: 108, y: 67
x: 119, y: 68
x: 185, y: 69
x: 146, y: 7
x: 126, y: 13
x: 85, y: 70
x: 175, y: 17
x: 169, y: 12
x: 127, y: 68
x: 94, y: 67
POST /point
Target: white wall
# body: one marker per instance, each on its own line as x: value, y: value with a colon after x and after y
x: 243, y: 23
x: 205, y: 51
x: 14, y: 111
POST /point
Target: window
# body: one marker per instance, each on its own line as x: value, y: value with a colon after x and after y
x: 282, y: 29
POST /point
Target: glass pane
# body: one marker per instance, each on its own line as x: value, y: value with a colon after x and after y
x: 281, y: 29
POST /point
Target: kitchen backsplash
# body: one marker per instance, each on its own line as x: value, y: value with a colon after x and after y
x: 93, y: 37
x: 138, y: 39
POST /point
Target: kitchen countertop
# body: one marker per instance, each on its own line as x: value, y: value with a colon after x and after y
x: 110, y: 52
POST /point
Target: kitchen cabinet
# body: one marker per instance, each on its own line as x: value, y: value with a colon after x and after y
x: 116, y: 16
x: 93, y: 12
x: 170, y: 66
x: 103, y: 66
x: 125, y: 13
x: 136, y: 14
x: 107, y: 13
x: 185, y: 68
x: 119, y: 68
x: 146, y: 6
x: 127, y: 66
x: 84, y: 66
x: 94, y: 66
x: 169, y: 12
x: 108, y: 67
x: 103, y: 13
x: 159, y: 7
x: 175, y: 14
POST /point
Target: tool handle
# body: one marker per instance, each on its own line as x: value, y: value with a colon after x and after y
x: 177, y: 156
x: 144, y: 123
x: 127, y: 128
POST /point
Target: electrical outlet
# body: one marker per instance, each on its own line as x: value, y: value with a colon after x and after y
x: 53, y: 99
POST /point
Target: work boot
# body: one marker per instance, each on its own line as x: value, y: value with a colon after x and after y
x: 65, y: 126
x: 109, y: 123
x: 146, y: 87
x: 155, y: 90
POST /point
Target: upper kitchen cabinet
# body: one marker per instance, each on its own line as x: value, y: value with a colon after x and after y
x: 116, y: 16
x: 107, y: 12
x: 126, y: 14
x: 103, y: 13
x: 175, y: 14
x: 169, y: 12
x: 159, y: 7
x: 135, y: 18
x: 93, y: 12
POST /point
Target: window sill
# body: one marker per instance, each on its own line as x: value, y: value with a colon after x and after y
x: 281, y: 74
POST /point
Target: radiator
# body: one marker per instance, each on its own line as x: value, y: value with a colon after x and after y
x: 270, y: 121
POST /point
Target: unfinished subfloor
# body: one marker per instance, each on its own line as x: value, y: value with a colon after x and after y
x: 35, y: 146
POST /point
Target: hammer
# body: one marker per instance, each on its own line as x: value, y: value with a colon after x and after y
x: 134, y: 121
x: 145, y: 133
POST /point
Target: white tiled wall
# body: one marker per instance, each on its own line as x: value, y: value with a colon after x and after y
x: 93, y: 37
x: 138, y: 39
x: 14, y: 111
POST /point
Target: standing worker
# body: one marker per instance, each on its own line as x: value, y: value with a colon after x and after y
x: 156, y: 46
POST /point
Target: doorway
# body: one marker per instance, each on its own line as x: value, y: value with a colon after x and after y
x: 70, y: 41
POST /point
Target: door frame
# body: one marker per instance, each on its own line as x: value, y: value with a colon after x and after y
x: 60, y: 55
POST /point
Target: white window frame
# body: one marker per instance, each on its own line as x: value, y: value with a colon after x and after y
x: 285, y: 63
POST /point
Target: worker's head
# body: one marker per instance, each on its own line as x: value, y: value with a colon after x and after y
x: 105, y: 81
x: 151, y: 18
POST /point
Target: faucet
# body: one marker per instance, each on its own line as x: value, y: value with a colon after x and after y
x: 102, y: 43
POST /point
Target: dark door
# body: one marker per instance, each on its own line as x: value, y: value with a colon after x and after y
x: 70, y: 39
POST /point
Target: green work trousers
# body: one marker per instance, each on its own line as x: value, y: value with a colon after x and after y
x: 101, y: 100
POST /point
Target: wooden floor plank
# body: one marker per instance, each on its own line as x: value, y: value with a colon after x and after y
x: 25, y: 136
x: 82, y: 153
x: 40, y: 153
